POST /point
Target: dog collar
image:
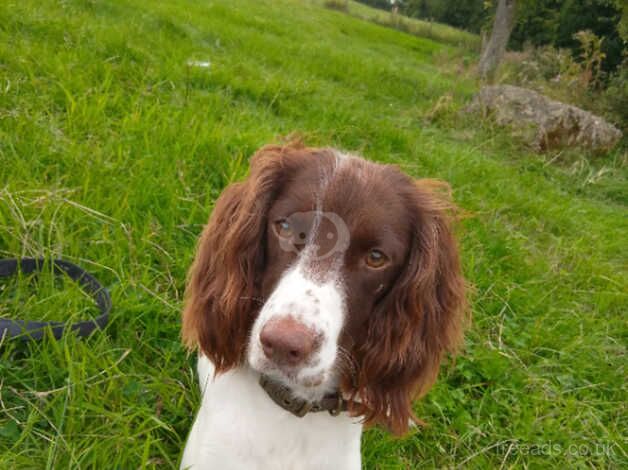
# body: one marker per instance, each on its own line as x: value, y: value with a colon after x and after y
x: 35, y: 329
x: 283, y: 397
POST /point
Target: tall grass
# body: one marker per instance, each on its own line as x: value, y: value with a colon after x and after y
x: 426, y: 29
x: 121, y: 122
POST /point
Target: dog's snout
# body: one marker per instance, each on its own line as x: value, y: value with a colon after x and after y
x: 286, y: 341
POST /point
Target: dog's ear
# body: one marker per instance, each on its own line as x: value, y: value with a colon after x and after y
x: 420, y: 319
x: 220, y: 303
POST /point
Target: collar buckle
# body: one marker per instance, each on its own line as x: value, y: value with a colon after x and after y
x: 336, y: 410
x: 303, y: 409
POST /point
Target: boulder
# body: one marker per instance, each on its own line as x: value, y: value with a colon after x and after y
x: 545, y: 123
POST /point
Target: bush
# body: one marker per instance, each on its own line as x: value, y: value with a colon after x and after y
x: 581, y: 82
x: 615, y: 97
x: 340, y: 5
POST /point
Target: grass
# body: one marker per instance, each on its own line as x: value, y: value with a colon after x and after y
x: 114, y: 146
x: 45, y: 297
x: 426, y: 29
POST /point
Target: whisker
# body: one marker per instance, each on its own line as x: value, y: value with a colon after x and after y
x: 346, y: 363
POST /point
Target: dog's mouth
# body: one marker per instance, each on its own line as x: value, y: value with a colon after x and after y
x: 306, y: 383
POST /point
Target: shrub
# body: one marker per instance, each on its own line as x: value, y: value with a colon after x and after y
x: 580, y: 80
x: 340, y: 5
x: 615, y: 97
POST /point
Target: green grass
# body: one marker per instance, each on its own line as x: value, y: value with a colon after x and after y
x: 427, y: 29
x: 45, y: 297
x: 113, y: 150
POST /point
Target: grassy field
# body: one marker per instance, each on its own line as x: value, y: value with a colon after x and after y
x: 114, y: 143
x: 427, y: 29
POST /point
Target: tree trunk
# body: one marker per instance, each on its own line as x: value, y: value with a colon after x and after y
x: 502, y: 27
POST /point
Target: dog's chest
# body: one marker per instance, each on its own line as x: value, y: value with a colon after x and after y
x: 238, y: 426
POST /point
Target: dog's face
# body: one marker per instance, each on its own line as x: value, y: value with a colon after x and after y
x: 337, y: 236
x: 327, y: 271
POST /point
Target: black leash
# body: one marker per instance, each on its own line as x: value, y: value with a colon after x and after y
x: 36, y: 329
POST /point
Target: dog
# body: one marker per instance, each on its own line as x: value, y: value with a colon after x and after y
x: 325, y: 292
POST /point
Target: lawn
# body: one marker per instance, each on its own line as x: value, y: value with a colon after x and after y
x: 115, y: 140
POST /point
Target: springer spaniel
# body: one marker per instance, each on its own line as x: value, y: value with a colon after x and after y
x: 324, y: 294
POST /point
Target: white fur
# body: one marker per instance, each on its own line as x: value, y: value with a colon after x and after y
x: 319, y: 306
x: 239, y: 427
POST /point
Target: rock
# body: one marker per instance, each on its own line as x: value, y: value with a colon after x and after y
x: 545, y: 123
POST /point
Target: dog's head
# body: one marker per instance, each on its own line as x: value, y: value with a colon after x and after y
x: 326, y: 271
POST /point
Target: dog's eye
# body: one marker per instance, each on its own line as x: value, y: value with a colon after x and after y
x: 376, y: 259
x: 283, y: 228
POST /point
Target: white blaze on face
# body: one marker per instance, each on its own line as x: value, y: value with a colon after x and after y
x: 317, y: 305
x: 311, y: 292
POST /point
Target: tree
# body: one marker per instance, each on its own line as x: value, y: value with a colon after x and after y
x: 502, y: 27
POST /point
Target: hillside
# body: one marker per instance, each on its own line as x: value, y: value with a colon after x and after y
x: 121, y: 122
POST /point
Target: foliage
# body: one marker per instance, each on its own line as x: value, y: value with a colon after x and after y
x: 121, y: 122
x: 381, y: 4
x: 556, y: 22
x: 591, y: 57
x: 614, y: 98
x: 340, y: 5
x: 539, y: 22
x: 556, y: 73
x: 470, y: 15
x: 425, y: 29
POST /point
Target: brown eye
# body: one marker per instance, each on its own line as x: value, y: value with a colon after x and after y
x: 376, y: 259
x: 283, y: 228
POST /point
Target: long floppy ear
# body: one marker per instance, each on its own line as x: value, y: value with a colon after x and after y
x: 220, y: 299
x: 420, y: 319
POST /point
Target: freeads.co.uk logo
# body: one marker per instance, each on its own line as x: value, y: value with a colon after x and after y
x: 550, y: 448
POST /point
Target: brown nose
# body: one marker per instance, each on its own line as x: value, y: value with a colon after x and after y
x: 286, y: 341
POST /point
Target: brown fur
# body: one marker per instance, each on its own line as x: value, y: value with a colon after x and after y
x: 396, y: 339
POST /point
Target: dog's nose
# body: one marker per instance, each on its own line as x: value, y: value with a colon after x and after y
x: 286, y: 341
